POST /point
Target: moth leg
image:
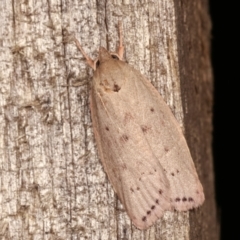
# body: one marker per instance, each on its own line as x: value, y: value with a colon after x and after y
x: 120, y: 47
x: 90, y: 62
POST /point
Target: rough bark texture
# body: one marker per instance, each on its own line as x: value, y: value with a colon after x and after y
x: 193, y: 26
x: 52, y: 185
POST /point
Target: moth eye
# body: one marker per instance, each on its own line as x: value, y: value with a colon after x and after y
x: 97, y: 63
x: 115, y: 56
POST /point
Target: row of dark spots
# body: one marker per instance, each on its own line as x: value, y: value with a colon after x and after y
x: 123, y: 138
x: 132, y: 190
x: 173, y: 174
x: 144, y: 218
x: 143, y: 127
x: 184, y: 199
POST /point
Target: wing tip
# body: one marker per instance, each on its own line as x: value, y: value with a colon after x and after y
x: 180, y: 204
x: 185, y: 203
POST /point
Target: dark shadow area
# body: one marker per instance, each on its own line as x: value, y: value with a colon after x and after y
x: 225, y: 62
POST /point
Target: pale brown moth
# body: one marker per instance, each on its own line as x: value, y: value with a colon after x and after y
x: 139, y: 141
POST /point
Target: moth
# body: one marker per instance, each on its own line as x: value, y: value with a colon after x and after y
x: 139, y: 141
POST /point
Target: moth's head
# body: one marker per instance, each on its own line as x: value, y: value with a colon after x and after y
x: 104, y: 56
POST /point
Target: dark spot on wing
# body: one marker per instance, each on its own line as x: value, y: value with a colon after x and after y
x: 190, y: 199
x: 152, y: 109
x: 144, y: 219
x: 107, y: 128
x: 172, y: 174
x: 148, y: 212
x: 178, y: 199
x: 166, y: 149
x: 124, y: 138
x: 160, y: 191
x: 153, y: 207
x: 116, y: 88
x: 145, y: 128
x: 138, y: 188
x: 157, y: 201
x: 184, y: 199
x: 131, y: 189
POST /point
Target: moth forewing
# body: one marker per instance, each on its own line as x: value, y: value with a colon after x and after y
x: 140, y: 143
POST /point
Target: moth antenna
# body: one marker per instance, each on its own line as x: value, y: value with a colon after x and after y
x: 120, y: 47
x: 90, y: 62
